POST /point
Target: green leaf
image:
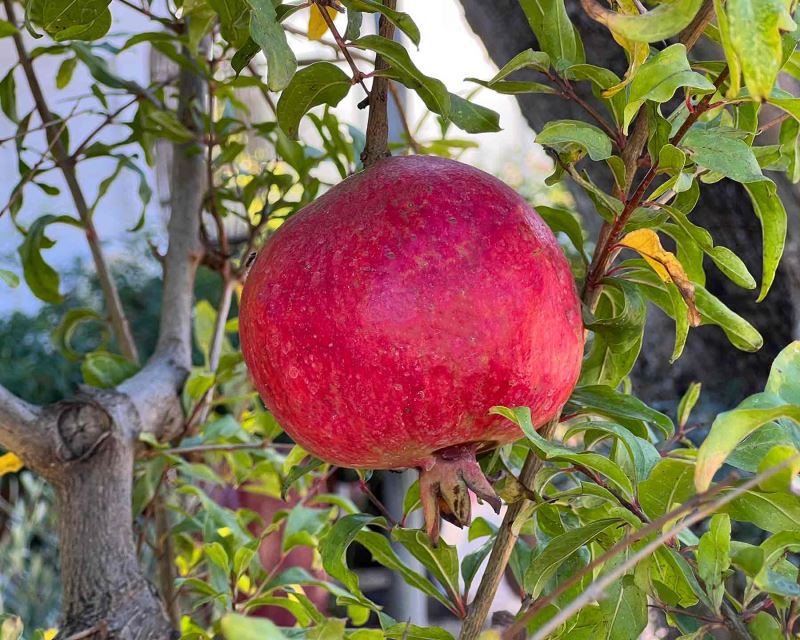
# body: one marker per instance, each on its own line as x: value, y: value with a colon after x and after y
x: 772, y: 215
x: 643, y: 455
x: 235, y: 19
x: 334, y: 544
x: 624, y: 609
x: 42, y: 279
x: 566, y: 222
x: 399, y: 19
x: 665, y: 21
x: 7, y: 29
x: 8, y: 96
x: 673, y: 578
x: 773, y: 512
x: 408, y: 631
x: 238, y: 627
x: 105, y: 370
x: 216, y: 554
x: 65, y: 72
x: 303, y: 525
x: 729, y: 156
x: 755, y: 34
x: 473, y: 561
x: 559, y: 549
x: 556, y: 35
x: 727, y: 46
x: 383, y: 554
x: 353, y: 30
x: 554, y: 451
x: 660, y: 77
x: 669, y: 484
x: 741, y: 333
x: 296, y: 472
x: 267, y: 32
x: 10, y: 278
x: 528, y: 59
x: 688, y: 402
x: 784, y: 375
x: 514, y: 87
x: 244, y: 55
x: 605, y: 401
x: 62, y: 335
x: 70, y: 20
x: 101, y: 72
x: 471, y: 117
x: 601, y: 79
x: 751, y: 451
x: 330, y: 629
x: 318, y: 83
x: 764, y: 627
x: 775, y: 574
x: 713, y: 558
x: 728, y: 430
x: 433, y: 92
x: 618, y: 326
x: 727, y: 261
x: 165, y: 124
x: 780, y: 454
x: 564, y: 135
x: 441, y: 561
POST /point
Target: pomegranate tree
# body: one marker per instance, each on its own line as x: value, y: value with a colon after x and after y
x: 383, y: 321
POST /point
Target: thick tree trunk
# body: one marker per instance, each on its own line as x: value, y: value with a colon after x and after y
x: 724, y: 208
x: 103, y: 587
x: 89, y: 462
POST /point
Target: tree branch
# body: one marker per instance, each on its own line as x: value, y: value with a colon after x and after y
x: 377, y: 145
x: 185, y: 248
x: 67, y: 165
x: 18, y: 424
x: 153, y: 390
x: 501, y: 549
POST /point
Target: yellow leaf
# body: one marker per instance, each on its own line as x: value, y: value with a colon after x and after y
x: 637, y: 52
x: 10, y: 463
x: 647, y: 244
x: 316, y: 22
x: 50, y: 634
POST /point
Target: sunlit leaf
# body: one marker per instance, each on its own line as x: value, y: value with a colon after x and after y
x: 317, y: 26
x: 755, y: 35
x: 660, y: 77
x: 10, y: 463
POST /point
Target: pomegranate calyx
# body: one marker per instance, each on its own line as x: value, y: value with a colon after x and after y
x: 444, y: 485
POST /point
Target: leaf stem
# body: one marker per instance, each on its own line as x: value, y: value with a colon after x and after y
x: 358, y: 76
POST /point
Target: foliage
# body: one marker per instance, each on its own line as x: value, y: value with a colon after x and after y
x: 624, y: 511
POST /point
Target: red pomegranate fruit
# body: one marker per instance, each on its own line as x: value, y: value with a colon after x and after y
x: 383, y: 321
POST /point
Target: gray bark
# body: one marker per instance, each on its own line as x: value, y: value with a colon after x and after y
x: 724, y: 208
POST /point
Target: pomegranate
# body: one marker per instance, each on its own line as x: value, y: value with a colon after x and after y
x: 383, y: 321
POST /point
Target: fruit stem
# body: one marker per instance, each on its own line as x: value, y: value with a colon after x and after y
x: 444, y: 485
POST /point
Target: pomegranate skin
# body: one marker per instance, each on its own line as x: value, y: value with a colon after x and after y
x: 383, y: 321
